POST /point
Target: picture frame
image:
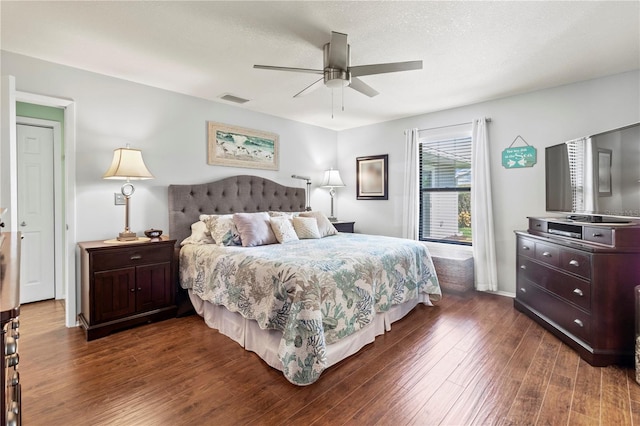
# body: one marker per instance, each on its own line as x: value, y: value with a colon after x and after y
x: 604, y: 172
x: 234, y: 146
x: 372, y: 181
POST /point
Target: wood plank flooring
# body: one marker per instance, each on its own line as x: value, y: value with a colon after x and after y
x: 472, y: 360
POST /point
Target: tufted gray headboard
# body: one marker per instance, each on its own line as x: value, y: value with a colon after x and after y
x: 230, y: 195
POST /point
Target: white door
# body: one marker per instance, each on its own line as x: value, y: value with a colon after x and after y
x: 36, y: 212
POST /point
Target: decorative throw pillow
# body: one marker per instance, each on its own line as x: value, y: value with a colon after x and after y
x: 224, y: 231
x: 306, y: 227
x: 199, y: 235
x: 325, y: 226
x: 254, y: 229
x: 287, y: 214
x: 282, y: 227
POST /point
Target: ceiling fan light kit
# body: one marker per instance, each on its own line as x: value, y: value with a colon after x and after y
x: 337, y: 71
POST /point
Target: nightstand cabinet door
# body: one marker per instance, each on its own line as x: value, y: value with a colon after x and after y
x: 154, y: 286
x: 114, y: 294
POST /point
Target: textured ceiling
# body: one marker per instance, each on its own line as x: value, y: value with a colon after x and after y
x: 472, y: 51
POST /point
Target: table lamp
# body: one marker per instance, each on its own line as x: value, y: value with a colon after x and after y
x: 332, y: 180
x: 127, y: 164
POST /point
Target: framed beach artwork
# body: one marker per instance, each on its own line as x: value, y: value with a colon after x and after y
x: 371, y: 177
x: 239, y: 147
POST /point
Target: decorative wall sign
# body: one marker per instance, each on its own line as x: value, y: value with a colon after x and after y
x: 519, y: 156
x: 238, y: 147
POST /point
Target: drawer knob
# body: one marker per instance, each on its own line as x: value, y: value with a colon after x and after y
x: 578, y: 322
x: 136, y: 257
x: 12, y: 360
x: 523, y: 290
x: 523, y: 266
x: 132, y: 290
x: 596, y: 234
x: 546, y: 254
x: 10, y: 346
x: 525, y: 248
x: 578, y: 292
x: 575, y: 263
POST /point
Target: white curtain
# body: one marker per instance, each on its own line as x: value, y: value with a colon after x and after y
x: 411, y: 204
x: 484, y: 245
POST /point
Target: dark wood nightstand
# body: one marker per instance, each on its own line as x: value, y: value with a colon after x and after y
x: 125, y: 284
x: 343, y: 226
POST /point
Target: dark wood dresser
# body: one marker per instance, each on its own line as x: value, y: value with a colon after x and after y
x: 10, y: 411
x: 125, y: 284
x: 577, y: 280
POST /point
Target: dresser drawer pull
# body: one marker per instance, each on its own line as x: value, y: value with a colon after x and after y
x: 574, y: 263
x: 132, y: 290
x: 596, y: 234
x: 136, y: 257
x: 525, y: 248
x: 578, y: 322
x: 578, y: 292
x: 523, y: 266
x: 523, y: 290
x: 546, y: 254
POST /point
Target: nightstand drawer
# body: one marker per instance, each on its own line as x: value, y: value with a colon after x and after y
x: 131, y: 256
x: 344, y: 226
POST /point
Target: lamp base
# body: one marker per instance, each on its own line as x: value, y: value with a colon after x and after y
x: 333, y: 219
x: 127, y: 236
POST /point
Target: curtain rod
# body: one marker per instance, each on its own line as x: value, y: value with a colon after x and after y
x: 453, y: 125
x: 449, y: 125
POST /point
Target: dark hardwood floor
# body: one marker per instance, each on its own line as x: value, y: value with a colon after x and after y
x: 470, y: 360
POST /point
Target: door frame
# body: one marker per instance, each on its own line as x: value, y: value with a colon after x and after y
x: 58, y: 221
x: 68, y: 194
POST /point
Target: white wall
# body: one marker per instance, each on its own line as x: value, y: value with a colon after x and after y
x: 171, y: 131
x: 542, y: 118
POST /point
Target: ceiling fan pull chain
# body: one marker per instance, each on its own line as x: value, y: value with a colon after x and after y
x: 332, y: 104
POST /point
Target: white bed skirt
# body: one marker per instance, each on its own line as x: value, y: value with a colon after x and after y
x: 265, y: 343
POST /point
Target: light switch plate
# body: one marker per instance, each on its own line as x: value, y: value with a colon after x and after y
x: 118, y: 199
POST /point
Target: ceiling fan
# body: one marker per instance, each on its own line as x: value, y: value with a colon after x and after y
x: 337, y: 71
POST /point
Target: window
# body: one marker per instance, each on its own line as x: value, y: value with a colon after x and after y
x: 445, y: 188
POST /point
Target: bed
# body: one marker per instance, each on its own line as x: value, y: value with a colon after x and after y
x: 301, y: 305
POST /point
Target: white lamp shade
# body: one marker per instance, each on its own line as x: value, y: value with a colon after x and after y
x: 332, y: 179
x: 127, y: 163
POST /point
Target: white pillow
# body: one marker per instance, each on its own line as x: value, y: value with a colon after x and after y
x: 306, y: 227
x: 282, y: 227
x: 325, y: 226
x: 199, y: 235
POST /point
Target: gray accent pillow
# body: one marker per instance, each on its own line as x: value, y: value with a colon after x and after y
x: 254, y: 229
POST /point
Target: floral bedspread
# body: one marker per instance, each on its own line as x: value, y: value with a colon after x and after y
x: 314, y: 291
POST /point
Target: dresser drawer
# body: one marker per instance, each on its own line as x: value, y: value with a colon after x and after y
x: 571, y: 289
x: 576, y: 262
x: 557, y: 312
x: 526, y: 247
x: 124, y: 257
x: 548, y: 254
x: 598, y: 235
x: 538, y: 225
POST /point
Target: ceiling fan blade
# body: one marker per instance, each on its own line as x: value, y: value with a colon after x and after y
x: 310, y: 88
x: 362, y: 87
x: 361, y: 70
x: 269, y: 67
x: 338, y: 51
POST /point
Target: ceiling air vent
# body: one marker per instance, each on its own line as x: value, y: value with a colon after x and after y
x: 235, y: 99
